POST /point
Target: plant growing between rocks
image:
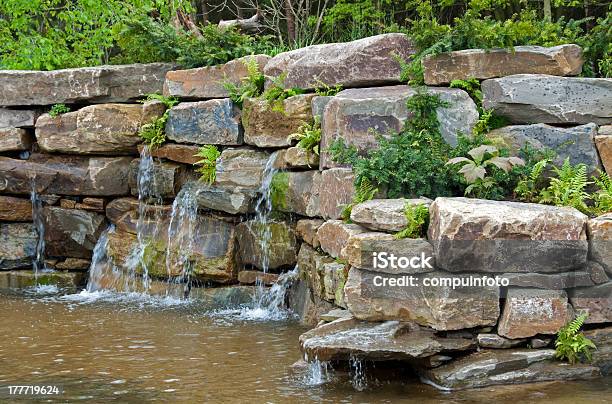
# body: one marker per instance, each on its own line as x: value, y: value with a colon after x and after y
x: 251, y: 86
x: 276, y: 93
x: 572, y: 344
x: 325, y: 90
x: 58, y: 109
x: 418, y: 221
x: 568, y: 187
x: 364, y: 192
x: 603, y: 197
x: 308, y: 136
x: 153, y: 133
x: 207, y: 166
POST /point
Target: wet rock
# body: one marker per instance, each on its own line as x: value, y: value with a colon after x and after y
x: 497, y: 342
x: 241, y: 168
x: 97, y: 129
x: 73, y: 264
x: 538, y: 98
x: 205, y: 122
x: 269, y: 124
x: 14, y: 139
x: 562, y: 60
x: 71, y: 232
x: 168, y: 178
x: 181, y: 153
x: 15, y: 209
x: 306, y: 305
x: 599, y: 231
x: 529, y: 312
x: 334, y: 278
x: 253, y: 277
x: 95, y: 204
x: 65, y: 175
x: 361, y: 249
x: 296, y: 157
x: 306, y: 229
x: 227, y: 297
x: 336, y: 190
x: 595, y: 300
x: 429, y: 302
x: 27, y: 279
x: 18, y: 118
x: 334, y: 235
x: 364, y: 62
x: 310, y: 264
x: 118, y: 83
x: 344, y: 339
x: 603, y: 141
x: 515, y: 366
x: 123, y: 213
x: 354, y: 115
x: 230, y: 200
x: 496, y: 236
x: 384, y: 214
x: 208, y: 81
x: 336, y: 314
x: 559, y: 281
x: 602, y: 356
x: 577, y: 143
x: 18, y: 241
x: 297, y: 192
x: 280, y: 250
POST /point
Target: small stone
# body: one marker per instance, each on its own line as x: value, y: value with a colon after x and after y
x: 596, y: 272
x: 306, y: 229
x: 384, y: 214
x: 497, y: 342
x: 335, y: 314
x: 310, y: 264
x: 95, y: 204
x: 14, y: 139
x: 73, y: 264
x: 15, y: 209
x: 296, y: 157
x: 253, y: 277
x: 334, y: 235
x: 181, y: 153
x: 537, y: 343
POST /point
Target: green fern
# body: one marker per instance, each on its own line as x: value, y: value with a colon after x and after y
x: 251, y: 86
x: 276, y: 93
x: 58, y: 109
x: 208, y: 163
x: 603, y: 197
x: 529, y: 187
x: 417, y: 217
x: 568, y: 187
x: 325, y: 90
x: 572, y: 344
x: 365, y: 191
x: 154, y: 133
x: 308, y: 136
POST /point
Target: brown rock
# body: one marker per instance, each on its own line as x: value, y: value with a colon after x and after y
x: 123, y: 213
x: 207, y: 82
x: 241, y: 167
x: 95, y: 204
x: 306, y: 229
x: 14, y: 139
x: 67, y: 203
x: 297, y: 192
x: 337, y: 189
x: 71, y: 232
x: 296, y: 157
x: 384, y: 214
x: 562, y: 60
x: 604, y: 146
x: 334, y: 235
x: 267, y: 126
x: 181, y: 153
x: 252, y: 277
x: 595, y: 300
x: 15, y: 209
x: 169, y: 177
x: 310, y: 264
x: 599, y: 231
x: 280, y: 250
x: 529, y: 312
x: 73, y: 264
x: 18, y: 241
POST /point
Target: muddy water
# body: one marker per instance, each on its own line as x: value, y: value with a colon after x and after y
x: 135, y: 350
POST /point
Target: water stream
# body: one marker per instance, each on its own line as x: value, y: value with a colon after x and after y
x: 38, y: 262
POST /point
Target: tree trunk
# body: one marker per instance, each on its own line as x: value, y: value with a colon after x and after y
x: 290, y: 21
x: 547, y: 11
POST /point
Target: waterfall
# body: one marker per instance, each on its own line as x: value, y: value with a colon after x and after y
x: 358, y: 374
x: 102, y: 274
x: 37, y: 218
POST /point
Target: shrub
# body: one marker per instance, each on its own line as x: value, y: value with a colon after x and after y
x: 572, y: 344
x: 568, y: 186
x: 207, y: 166
x: 418, y: 219
x: 58, y: 109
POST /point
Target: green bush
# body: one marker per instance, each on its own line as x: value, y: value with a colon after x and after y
x: 572, y: 344
x: 308, y: 136
x: 418, y: 221
x: 58, y: 109
x: 207, y: 165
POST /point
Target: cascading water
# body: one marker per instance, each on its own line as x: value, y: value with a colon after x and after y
x: 37, y: 217
x: 102, y: 274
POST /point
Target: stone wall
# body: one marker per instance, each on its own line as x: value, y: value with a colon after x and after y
x: 84, y: 165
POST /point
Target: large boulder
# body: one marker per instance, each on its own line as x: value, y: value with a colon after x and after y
x: 347, y: 338
x: 431, y: 300
x: 356, y: 115
x: 241, y: 168
x: 594, y: 300
x: 118, y: 83
x: 208, y: 81
x: 71, y: 232
x: 384, y: 214
x: 599, y: 231
x: 167, y: 178
x: 65, y: 175
x: 15, y: 209
x: 529, y: 312
x: 603, y: 141
x: 336, y: 190
x: 205, y: 122
x: 334, y: 235
x: 269, y: 124
x: 97, y: 129
x: 375, y: 252
x: 562, y: 60
x: 495, y: 236
x: 297, y: 192
x: 18, y: 242
x: 18, y: 118
x: 364, y: 62
x: 15, y: 139
x: 266, y: 246
x: 577, y: 143
x: 507, y: 366
x: 539, y: 98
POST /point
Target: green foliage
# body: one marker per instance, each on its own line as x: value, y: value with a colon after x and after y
x: 365, y: 191
x: 325, y: 90
x: 474, y: 169
x: 308, y: 136
x: 418, y: 219
x: 603, y: 197
x: 251, y: 86
x: 568, y: 186
x: 529, y: 187
x: 153, y: 133
x: 472, y: 87
x: 572, y: 344
x: 58, y: 109
x: 207, y: 166
x: 278, y: 190
x: 276, y: 93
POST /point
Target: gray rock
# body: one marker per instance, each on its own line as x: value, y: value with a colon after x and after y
x: 384, y: 214
x: 18, y: 118
x: 205, y: 122
x: 537, y: 343
x: 354, y: 115
x: 562, y: 60
x: 241, y: 168
x: 334, y: 279
x: 336, y: 190
x: 230, y: 200
x: 602, y: 356
x: 577, y: 143
x: 538, y: 98
x: 497, y: 342
x: 595, y: 300
x: 364, y: 62
x: 502, y: 237
x: 318, y: 105
x: 117, y: 83
x: 297, y: 192
x: 65, y: 175
x: 15, y: 139
x: 71, y: 232
x: 559, y: 281
x: 18, y: 242
x: 168, y: 178
x: 266, y: 247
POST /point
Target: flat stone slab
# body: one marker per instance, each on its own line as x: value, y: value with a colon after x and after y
x: 241, y: 167
x: 18, y: 118
x: 539, y: 98
x: 595, y: 300
x: 15, y: 139
x: 507, y: 366
x: 260, y: 277
x: 364, y: 62
x: 385, y: 214
x: 117, y: 83
x: 348, y: 338
x: 496, y: 341
x: 208, y: 81
x: 181, y: 153
x: 230, y: 200
x: 562, y: 60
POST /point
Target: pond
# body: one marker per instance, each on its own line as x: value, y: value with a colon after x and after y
x: 133, y: 348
